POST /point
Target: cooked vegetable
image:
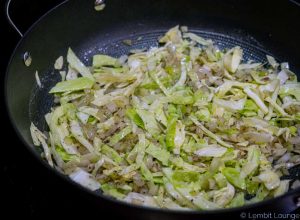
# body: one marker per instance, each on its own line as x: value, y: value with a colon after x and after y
x: 40, y: 139
x: 27, y: 59
x: 37, y: 78
x: 158, y: 153
x: 211, y: 151
x: 252, y: 163
x: 100, y: 60
x: 234, y: 177
x: 99, y: 7
x: 59, y: 63
x: 73, y: 85
x: 232, y: 59
x: 181, y: 126
x: 270, y: 179
x: 77, y: 65
x: 85, y: 179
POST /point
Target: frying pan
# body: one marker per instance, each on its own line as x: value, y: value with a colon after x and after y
x: 259, y: 27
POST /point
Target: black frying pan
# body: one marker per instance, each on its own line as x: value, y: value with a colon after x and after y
x: 259, y: 27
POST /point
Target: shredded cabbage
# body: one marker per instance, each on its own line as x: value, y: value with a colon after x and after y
x: 184, y: 125
x: 85, y: 179
x: 73, y: 85
x: 77, y: 65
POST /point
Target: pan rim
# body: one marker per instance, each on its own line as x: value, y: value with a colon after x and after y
x: 291, y: 193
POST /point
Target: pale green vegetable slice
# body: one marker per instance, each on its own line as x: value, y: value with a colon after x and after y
x: 270, y: 179
x: 100, y: 60
x: 76, y: 64
x: 73, y: 85
x: 119, y: 136
x: 209, y: 133
x: 256, y: 99
x: 253, y: 159
x: 160, y: 154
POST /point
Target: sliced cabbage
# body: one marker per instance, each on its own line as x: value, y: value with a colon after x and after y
x: 238, y: 200
x: 220, y: 180
x: 82, y: 117
x: 232, y: 59
x: 209, y: 133
x: 185, y: 176
x: 290, y: 89
x: 149, y: 121
x: 112, y: 191
x: 160, y: 154
x: 112, y: 77
x: 179, y: 137
x: 273, y: 100
x: 234, y: 177
x: 78, y: 134
x: 73, y: 85
x: 203, y: 115
x: 258, y: 137
x: 230, y: 105
x: 272, y: 61
x: 100, y: 60
x: 176, y: 195
x: 175, y: 135
x: 111, y: 153
x: 183, y: 125
x: 256, y: 99
x: 261, y: 193
x: 159, y: 83
x: 59, y: 62
x: 77, y: 65
x: 85, y: 179
x: 183, y: 74
x: 38, y: 81
x: 146, y: 172
x: 224, y: 196
x: 261, y: 124
x: 140, y: 199
x: 253, y: 159
x: 119, y: 136
x: 184, y: 197
x: 134, y: 116
x: 283, y: 77
x: 138, y: 152
x: 40, y: 139
x: 259, y: 79
x: 277, y: 107
x: 180, y: 163
x: 196, y: 38
x: 270, y: 179
x: 65, y: 156
x: 181, y: 98
x: 282, y: 188
x: 90, y: 111
x: 173, y: 35
x: 58, y: 125
x: 159, y: 112
x: 249, y: 66
x: 211, y: 151
x: 228, y: 84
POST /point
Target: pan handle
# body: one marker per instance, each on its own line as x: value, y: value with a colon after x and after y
x: 10, y: 20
